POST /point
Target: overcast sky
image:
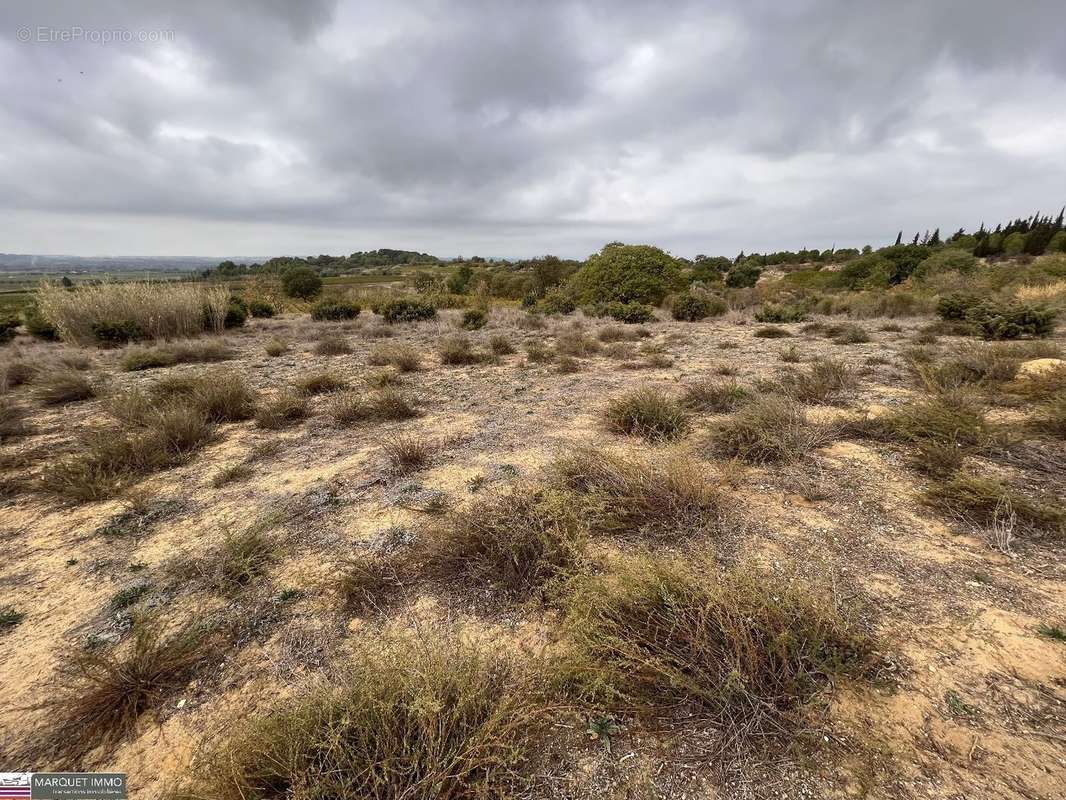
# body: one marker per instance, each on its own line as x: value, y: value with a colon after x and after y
x: 267, y: 127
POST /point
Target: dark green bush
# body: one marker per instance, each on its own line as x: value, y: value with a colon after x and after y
x: 301, y: 283
x: 742, y: 276
x: 955, y: 306
x: 404, y: 309
x: 629, y: 313
x: 117, y: 333
x: 8, y: 326
x: 771, y: 312
x: 556, y: 301
x: 473, y: 319
x: 690, y: 307
x: 627, y: 273
x: 236, y: 313
x: 261, y: 309
x: 334, y: 310
x: 37, y: 325
x: 1011, y: 320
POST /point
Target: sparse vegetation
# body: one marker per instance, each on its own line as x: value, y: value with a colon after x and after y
x: 770, y: 428
x: 404, y: 357
x: 61, y: 387
x: 715, y: 396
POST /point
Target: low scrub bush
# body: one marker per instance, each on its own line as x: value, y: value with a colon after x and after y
x: 261, y: 309
x: 746, y: 652
x: 824, y: 381
x: 12, y: 420
x: 15, y: 373
x: 539, y: 353
x: 620, y: 333
x: 851, y: 334
x: 1011, y: 321
x: 317, y: 383
x: 219, y: 395
x: 276, y: 347
x: 117, y: 313
x: 575, y: 343
x: 388, y: 405
x: 648, y: 413
x: 956, y: 306
x: 628, y: 313
x: 142, y: 358
x: 334, y: 310
x: 693, y: 307
x: 770, y: 332
x: 955, y: 419
x: 1048, y: 418
x: 332, y: 346
x: 458, y: 350
x: 436, y: 717
x: 368, y: 583
x: 770, y: 428
x: 500, y: 345
x: 405, y: 309
x: 772, y: 312
x: 303, y: 283
x: 473, y: 319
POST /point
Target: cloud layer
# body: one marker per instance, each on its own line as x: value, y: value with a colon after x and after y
x: 518, y: 128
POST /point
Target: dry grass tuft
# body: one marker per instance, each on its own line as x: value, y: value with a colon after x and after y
x: 406, y: 454
x: 403, y: 357
x: 317, y: 383
x: 743, y: 651
x: 648, y: 413
x: 61, y: 387
x: 436, y: 717
x: 109, y: 690
x: 458, y: 350
x: 770, y: 428
x: 388, y: 405
x: 12, y: 420
x: 714, y: 396
x: 367, y: 584
x: 823, y: 382
x: 282, y: 410
x: 332, y: 346
x: 650, y: 497
x: 139, y: 358
x: 517, y: 544
x: 979, y: 501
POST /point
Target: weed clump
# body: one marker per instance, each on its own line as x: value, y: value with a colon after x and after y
x: 740, y: 650
x: 317, y: 383
x: 715, y: 396
x: 403, y: 357
x: 516, y: 545
x: 982, y: 501
x: 770, y: 428
x: 823, y: 382
x: 62, y: 387
x: 282, y: 410
x: 458, y: 350
x: 648, y: 413
x: 641, y: 497
x: 436, y: 717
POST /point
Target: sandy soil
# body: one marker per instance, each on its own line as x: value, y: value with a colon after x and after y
x: 973, y: 707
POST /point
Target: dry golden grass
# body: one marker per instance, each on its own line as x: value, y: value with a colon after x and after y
x: 159, y: 310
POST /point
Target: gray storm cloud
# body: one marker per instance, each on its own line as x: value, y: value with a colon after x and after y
x: 517, y: 128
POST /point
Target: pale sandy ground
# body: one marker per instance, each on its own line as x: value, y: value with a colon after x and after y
x: 950, y: 613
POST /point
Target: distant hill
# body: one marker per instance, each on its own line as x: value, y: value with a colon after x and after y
x: 25, y: 262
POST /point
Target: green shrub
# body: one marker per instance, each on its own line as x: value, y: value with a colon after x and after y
x: 948, y: 259
x: 117, y: 333
x: 771, y: 312
x: 648, y: 413
x: 742, y: 276
x: 405, y: 309
x: 236, y: 314
x: 956, y: 306
x: 691, y: 307
x: 627, y: 274
x: 8, y: 327
x: 302, y: 283
x: 557, y: 301
x: 261, y: 309
x: 1011, y: 320
x: 629, y: 313
x: 473, y: 319
x: 334, y: 310
x: 37, y: 325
